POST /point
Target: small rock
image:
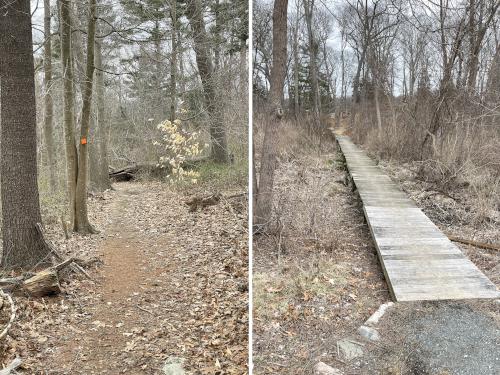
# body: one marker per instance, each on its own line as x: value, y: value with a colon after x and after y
x: 375, y: 317
x: 174, y: 366
x: 322, y: 368
x: 369, y: 333
x: 350, y: 349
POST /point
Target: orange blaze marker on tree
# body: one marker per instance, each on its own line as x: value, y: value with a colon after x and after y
x: 83, y: 141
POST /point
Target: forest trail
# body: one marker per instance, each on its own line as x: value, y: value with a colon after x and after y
x: 166, y: 292
x: 122, y: 273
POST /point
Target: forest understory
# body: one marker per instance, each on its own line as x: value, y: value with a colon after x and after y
x: 317, y: 277
x: 169, y: 289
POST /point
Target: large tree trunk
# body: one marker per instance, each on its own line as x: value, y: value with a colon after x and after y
x: 81, y: 223
x: 48, y: 102
x: 68, y: 106
x: 263, y: 208
x: 194, y: 12
x: 23, y: 245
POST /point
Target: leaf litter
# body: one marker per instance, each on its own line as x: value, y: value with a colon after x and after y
x: 169, y: 283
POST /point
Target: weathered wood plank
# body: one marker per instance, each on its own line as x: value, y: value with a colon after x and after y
x: 419, y: 261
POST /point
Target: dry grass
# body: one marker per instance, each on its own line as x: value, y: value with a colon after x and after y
x: 464, y: 159
x: 316, y: 274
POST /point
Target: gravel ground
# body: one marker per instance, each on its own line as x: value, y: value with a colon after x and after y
x: 436, y: 338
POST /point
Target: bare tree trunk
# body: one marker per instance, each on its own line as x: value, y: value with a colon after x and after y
x: 477, y: 30
x: 48, y: 102
x: 23, y: 245
x: 194, y: 13
x: 69, y: 106
x: 173, y: 60
x: 493, y: 83
x: 263, y: 208
x: 377, y: 110
x: 357, y: 77
x: 217, y: 42
x: 81, y: 223
x: 313, y: 66
x: 296, y: 63
x: 102, y: 172
x: 182, y: 83
x: 243, y: 71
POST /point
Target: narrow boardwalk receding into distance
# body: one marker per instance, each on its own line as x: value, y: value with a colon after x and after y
x: 419, y: 261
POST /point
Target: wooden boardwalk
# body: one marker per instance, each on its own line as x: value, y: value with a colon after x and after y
x: 419, y: 261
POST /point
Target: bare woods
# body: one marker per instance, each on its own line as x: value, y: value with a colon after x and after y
x: 413, y: 81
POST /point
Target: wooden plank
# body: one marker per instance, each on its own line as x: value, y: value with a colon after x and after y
x: 419, y: 261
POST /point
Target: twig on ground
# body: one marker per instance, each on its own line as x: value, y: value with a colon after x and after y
x: 145, y: 310
x: 60, y: 258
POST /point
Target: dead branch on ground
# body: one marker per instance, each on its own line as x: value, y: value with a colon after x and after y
x: 482, y: 245
x: 7, y: 297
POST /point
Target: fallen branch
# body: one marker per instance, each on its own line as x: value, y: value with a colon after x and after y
x: 202, y: 202
x: 482, y: 245
x: 209, y: 200
x: 12, y: 314
x: 53, y: 250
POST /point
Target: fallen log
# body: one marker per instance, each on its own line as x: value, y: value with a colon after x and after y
x: 44, y: 283
x: 40, y: 284
x: 132, y: 171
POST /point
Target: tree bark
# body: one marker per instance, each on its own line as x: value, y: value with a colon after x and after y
x: 477, y: 31
x: 296, y: 101
x: 173, y: 60
x: 313, y: 66
x: 194, y: 13
x: 23, y: 246
x: 68, y: 106
x: 48, y: 102
x: 99, y: 149
x: 81, y: 223
x: 263, y: 208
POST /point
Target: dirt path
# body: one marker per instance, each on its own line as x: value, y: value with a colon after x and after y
x: 172, y: 285
x: 123, y: 274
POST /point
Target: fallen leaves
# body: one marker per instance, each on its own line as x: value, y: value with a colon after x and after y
x: 190, y: 301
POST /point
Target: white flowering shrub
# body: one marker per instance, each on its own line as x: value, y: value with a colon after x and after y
x: 179, y: 145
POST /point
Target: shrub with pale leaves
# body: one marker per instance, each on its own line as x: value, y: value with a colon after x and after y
x: 179, y: 145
